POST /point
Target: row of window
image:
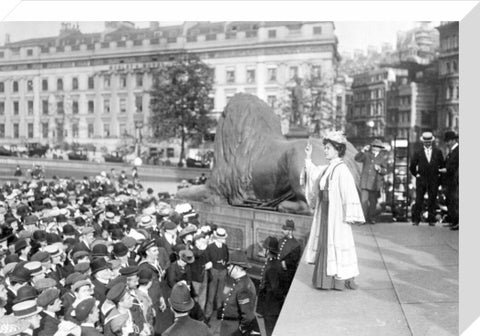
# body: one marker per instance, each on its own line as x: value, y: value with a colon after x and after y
x: 271, y: 74
x: 366, y: 95
x: 370, y: 110
x: 122, y: 83
x: 449, y: 42
x: 452, y: 92
x: 451, y: 67
x: 45, y: 130
x: 60, y: 107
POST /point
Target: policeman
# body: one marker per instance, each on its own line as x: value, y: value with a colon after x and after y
x: 238, y: 312
x: 289, y: 255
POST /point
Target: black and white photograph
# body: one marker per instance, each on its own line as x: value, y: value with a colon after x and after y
x: 229, y: 178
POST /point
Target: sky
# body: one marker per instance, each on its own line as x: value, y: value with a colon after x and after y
x: 351, y: 34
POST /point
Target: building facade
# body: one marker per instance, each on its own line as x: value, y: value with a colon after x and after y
x: 448, y: 80
x: 94, y: 88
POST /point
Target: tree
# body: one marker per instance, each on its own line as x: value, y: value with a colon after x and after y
x: 180, y: 100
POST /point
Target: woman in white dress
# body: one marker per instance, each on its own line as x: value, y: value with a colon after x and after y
x: 332, y: 191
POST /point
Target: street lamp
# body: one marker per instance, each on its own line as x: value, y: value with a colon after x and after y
x: 138, y: 127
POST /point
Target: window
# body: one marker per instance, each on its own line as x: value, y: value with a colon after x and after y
x: 90, y: 130
x: 29, y: 85
x: 30, y: 130
x: 91, y: 106
x: 123, y: 129
x: 123, y: 81
x: 316, y: 71
x: 30, y: 107
x: 16, y: 131
x: 45, y: 107
x: 251, y: 76
x: 15, y: 108
x: 15, y: 86
x: 45, y: 84
x: 59, y: 84
x: 106, y: 130
x: 106, y: 82
x: 75, y: 83
x: 2, y: 87
x: 45, y: 130
x: 2, y: 130
x: 139, y: 80
x: 454, y: 66
x: 91, y: 83
x: 293, y: 72
x: 230, y: 76
x: 138, y: 104
x: 272, y: 33
x: 75, y: 107
x: 60, y: 107
x: 170, y: 152
x: 272, y: 74
x: 457, y: 92
x: 447, y: 67
x: 2, y: 108
x: 123, y: 105
x: 272, y: 100
x: 317, y: 30
x: 450, y: 92
x: 75, y: 129
x: 29, y: 52
x: 106, y: 105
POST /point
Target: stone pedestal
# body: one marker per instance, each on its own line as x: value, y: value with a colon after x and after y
x: 297, y: 132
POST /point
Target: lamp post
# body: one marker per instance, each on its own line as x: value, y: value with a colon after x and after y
x: 138, y: 128
x: 370, y: 124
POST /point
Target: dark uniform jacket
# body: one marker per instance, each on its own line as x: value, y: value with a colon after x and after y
x: 290, y: 254
x: 428, y: 170
x: 239, y: 304
x: 371, y: 179
x: 271, y: 295
x: 48, y: 325
x: 185, y: 326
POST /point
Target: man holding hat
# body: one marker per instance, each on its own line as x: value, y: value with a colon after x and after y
x: 181, y: 303
x: 426, y: 165
x: 374, y: 167
x: 238, y: 311
x: 289, y: 255
x: 451, y: 178
x: 50, y: 301
x: 270, y: 295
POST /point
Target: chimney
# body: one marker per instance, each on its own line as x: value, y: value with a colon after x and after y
x: 7, y: 38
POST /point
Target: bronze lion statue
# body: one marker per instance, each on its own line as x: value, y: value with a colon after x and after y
x: 254, y: 162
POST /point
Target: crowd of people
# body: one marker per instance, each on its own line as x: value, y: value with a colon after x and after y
x: 99, y: 256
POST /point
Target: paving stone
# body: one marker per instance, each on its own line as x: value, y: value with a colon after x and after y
x: 432, y: 319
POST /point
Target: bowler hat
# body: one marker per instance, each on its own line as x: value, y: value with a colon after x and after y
x: 98, y: 265
x: 68, y: 230
x: 129, y: 271
x: 25, y: 293
x: 450, y: 135
x: 100, y: 250
x: 289, y: 225
x: 120, y: 249
x: 377, y: 143
x: 180, y: 298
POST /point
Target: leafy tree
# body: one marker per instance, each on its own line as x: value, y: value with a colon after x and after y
x: 180, y: 101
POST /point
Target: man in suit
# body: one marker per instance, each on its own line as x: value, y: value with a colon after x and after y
x: 50, y: 301
x: 87, y: 314
x: 374, y: 167
x: 181, y: 303
x: 426, y: 165
x: 451, y: 178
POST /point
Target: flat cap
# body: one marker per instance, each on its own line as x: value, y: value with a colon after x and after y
x: 82, y: 267
x: 45, y: 283
x: 41, y: 256
x: 117, y: 292
x: 84, y: 308
x: 48, y: 296
x: 81, y: 283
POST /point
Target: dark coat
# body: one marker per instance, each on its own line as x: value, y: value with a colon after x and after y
x: 48, y: 325
x: 186, y: 326
x: 428, y: 170
x: 90, y: 331
x: 290, y: 253
x: 451, y: 163
x: 270, y: 295
x: 99, y: 291
x: 371, y: 179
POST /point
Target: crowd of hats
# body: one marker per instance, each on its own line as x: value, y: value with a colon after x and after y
x: 44, y: 222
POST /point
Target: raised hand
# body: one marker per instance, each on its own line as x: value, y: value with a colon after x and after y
x: 308, y: 150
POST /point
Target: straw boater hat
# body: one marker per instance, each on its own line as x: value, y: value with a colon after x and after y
x: 26, y: 309
x: 220, y: 233
x: 427, y: 137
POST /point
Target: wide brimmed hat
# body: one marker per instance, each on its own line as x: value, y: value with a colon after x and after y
x: 336, y: 136
x: 180, y: 298
x: 187, y: 256
x: 427, y: 137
